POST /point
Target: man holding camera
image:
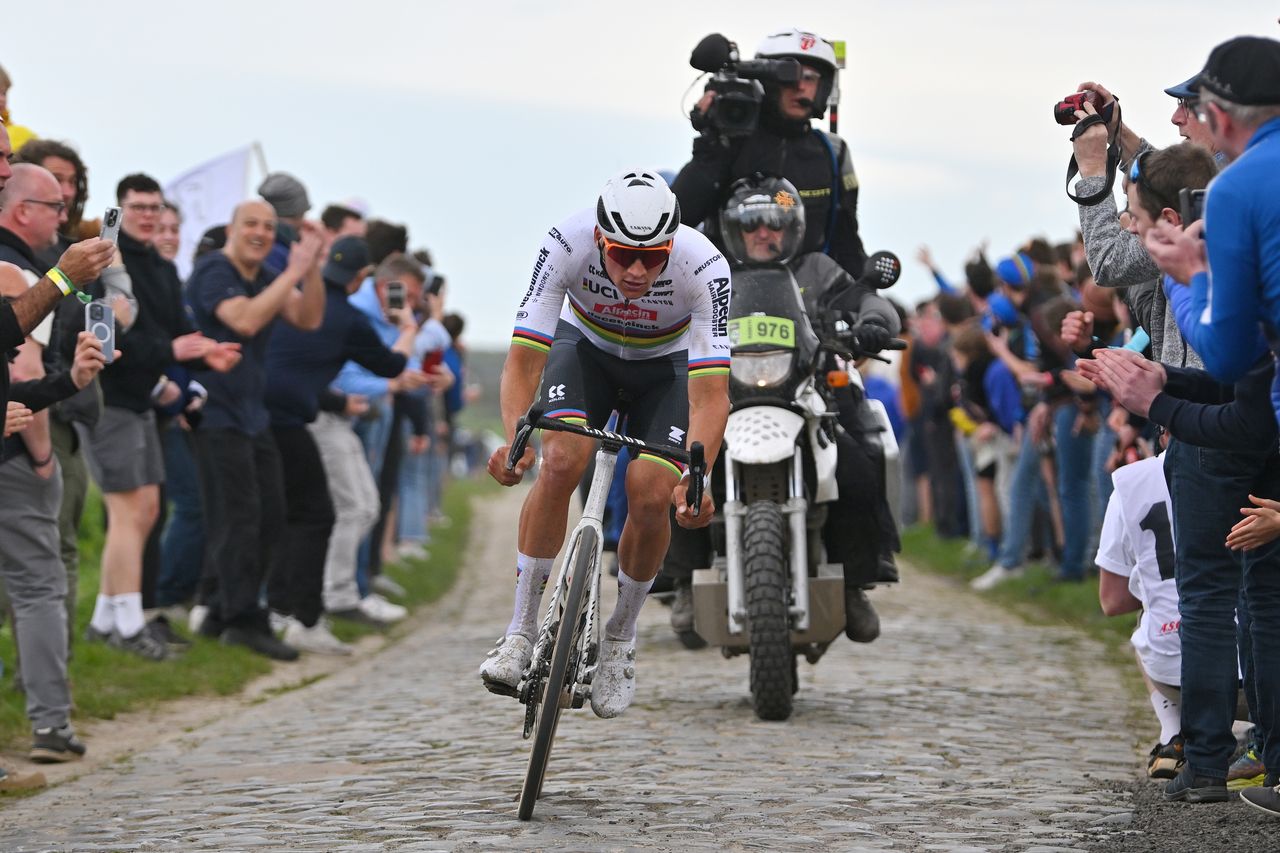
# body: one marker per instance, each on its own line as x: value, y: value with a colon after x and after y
x: 782, y: 143
x: 1234, y: 272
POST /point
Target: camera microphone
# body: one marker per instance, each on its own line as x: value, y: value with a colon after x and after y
x: 712, y: 53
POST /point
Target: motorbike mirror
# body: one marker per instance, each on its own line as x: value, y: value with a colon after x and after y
x: 882, y: 270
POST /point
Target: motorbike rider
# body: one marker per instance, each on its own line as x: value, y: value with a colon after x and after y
x: 763, y: 223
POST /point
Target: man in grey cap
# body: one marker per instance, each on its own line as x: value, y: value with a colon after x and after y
x: 288, y: 196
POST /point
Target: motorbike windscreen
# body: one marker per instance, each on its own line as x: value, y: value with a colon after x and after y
x: 766, y: 312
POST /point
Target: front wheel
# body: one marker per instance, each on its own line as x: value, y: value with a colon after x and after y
x: 773, y: 678
x: 558, y: 685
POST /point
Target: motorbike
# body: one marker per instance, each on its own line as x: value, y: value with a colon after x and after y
x: 768, y: 592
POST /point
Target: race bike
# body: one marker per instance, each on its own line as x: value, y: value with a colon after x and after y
x: 566, y: 650
x: 770, y: 594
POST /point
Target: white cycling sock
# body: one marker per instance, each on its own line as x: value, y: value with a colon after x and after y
x: 104, y: 617
x: 531, y: 580
x: 1169, y: 713
x: 631, y: 596
x: 128, y: 610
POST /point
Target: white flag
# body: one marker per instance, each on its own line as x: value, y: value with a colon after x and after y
x: 207, y: 195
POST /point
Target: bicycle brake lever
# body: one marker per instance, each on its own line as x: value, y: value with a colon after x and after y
x: 524, y: 429
x: 697, y: 470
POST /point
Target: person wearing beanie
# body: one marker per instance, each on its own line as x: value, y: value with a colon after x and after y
x: 288, y: 197
x: 1016, y: 270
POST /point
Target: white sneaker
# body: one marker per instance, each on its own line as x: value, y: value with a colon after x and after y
x: 386, y: 586
x: 317, y: 639
x: 505, y: 664
x: 195, y: 620
x: 410, y: 551
x: 376, y: 607
x: 279, y: 622
x: 614, y: 684
x: 995, y: 576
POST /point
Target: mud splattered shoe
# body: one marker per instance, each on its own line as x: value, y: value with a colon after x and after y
x: 505, y: 664
x: 614, y: 684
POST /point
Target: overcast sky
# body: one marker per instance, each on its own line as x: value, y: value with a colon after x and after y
x: 482, y: 124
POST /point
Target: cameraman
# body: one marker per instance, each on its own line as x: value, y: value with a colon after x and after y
x: 785, y: 144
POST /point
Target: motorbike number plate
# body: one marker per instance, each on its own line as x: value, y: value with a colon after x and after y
x: 776, y: 331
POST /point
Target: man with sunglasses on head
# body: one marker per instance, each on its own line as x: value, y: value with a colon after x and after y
x: 624, y: 301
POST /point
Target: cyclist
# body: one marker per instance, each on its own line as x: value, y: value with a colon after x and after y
x: 624, y: 302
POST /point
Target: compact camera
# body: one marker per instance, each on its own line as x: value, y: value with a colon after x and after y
x: 737, y: 84
x: 1064, y: 112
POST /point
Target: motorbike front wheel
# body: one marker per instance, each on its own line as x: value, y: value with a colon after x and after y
x: 768, y: 604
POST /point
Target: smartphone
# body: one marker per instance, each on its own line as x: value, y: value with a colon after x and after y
x: 395, y: 295
x: 431, y: 359
x: 437, y: 284
x: 100, y: 320
x: 1191, y: 204
x: 111, y: 225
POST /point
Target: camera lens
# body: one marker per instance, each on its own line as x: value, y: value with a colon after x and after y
x: 95, y: 311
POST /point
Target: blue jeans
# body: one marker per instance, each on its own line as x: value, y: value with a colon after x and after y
x: 414, y: 493
x: 1208, y: 488
x: 182, y: 543
x: 970, y: 479
x: 1074, y: 455
x: 374, y: 430
x: 1025, y: 491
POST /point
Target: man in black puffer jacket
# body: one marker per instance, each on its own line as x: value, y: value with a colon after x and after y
x: 784, y: 144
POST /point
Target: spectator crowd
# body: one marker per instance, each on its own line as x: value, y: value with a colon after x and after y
x: 265, y: 435
x: 1106, y: 404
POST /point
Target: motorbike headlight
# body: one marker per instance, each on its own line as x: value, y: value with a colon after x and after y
x: 760, y: 369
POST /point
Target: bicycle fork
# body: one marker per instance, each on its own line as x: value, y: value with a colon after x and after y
x: 584, y: 668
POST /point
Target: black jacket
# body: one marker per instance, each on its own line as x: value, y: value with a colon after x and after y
x: 36, y: 394
x: 147, y: 348
x: 1199, y: 410
x: 792, y: 150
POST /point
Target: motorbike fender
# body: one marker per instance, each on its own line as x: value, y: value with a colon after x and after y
x: 762, y: 434
x: 824, y: 464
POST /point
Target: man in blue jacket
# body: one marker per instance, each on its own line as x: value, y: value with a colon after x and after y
x: 300, y: 366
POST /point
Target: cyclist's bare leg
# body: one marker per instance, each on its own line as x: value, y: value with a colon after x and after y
x: 544, y: 517
x: 648, y: 529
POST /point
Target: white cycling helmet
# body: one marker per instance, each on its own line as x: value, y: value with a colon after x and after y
x: 808, y: 48
x: 637, y: 208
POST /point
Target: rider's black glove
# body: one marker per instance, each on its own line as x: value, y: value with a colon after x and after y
x: 872, y: 337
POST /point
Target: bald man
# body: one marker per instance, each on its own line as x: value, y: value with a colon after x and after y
x: 79, y: 265
x: 31, y: 210
x: 235, y: 299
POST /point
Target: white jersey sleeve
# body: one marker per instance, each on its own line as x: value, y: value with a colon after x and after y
x: 706, y: 274
x: 553, y: 269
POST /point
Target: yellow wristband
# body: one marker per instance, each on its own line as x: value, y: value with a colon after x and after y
x: 59, y: 278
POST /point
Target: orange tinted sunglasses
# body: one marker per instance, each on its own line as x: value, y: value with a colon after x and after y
x: 624, y: 256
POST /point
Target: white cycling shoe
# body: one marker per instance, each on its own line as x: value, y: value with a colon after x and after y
x: 614, y: 684
x: 506, y: 663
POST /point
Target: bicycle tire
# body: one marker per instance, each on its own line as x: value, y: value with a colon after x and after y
x: 567, y: 636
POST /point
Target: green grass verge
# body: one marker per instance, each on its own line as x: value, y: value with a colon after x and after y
x: 1035, y: 596
x: 106, y: 682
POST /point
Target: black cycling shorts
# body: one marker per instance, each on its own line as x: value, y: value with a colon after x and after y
x: 582, y: 384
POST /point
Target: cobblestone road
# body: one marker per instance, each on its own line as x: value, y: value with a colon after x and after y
x: 961, y: 729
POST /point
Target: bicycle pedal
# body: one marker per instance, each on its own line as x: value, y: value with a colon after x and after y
x: 500, y: 689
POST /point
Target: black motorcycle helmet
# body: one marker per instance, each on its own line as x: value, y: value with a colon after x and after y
x: 762, y: 201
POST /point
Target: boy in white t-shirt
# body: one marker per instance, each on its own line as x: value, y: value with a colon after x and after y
x: 1135, y: 553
